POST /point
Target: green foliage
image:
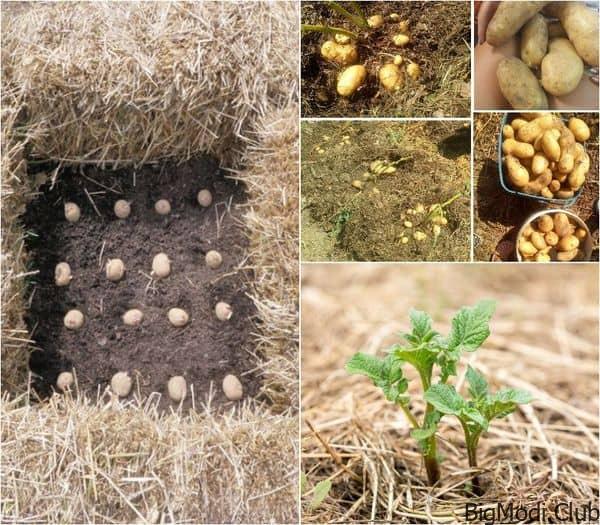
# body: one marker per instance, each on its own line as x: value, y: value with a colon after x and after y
x: 425, y: 350
x: 320, y: 492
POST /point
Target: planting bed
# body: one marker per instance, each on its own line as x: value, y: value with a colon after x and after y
x: 206, y: 349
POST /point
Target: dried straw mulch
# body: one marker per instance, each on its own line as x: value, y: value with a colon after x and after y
x: 544, y: 339
x: 114, y: 84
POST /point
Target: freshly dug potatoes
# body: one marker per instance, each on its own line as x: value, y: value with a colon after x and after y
x: 554, y: 236
x: 391, y: 77
x: 375, y: 21
x: 413, y: 71
x: 400, y: 40
x: 544, y: 157
x: 519, y: 85
x: 343, y: 54
x: 561, y: 68
x: 508, y: 19
x: 534, y: 41
x: 351, y: 79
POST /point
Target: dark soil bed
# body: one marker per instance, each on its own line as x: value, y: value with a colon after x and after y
x: 341, y: 222
x: 203, y: 351
x: 499, y: 215
x: 440, y: 39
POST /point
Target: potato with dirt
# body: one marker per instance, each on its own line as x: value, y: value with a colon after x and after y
x: 343, y: 54
x: 534, y: 41
x: 351, y: 79
x: 561, y: 68
x: 508, y: 19
x: 519, y: 85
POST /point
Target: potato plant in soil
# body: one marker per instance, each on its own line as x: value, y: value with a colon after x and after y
x: 136, y: 307
x: 424, y: 44
x: 385, y: 191
x: 499, y: 215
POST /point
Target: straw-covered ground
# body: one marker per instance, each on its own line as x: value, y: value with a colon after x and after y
x: 440, y: 45
x: 348, y: 213
x: 544, y: 339
x: 123, y: 85
x: 498, y: 215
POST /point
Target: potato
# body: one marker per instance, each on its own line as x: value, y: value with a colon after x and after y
x: 580, y: 233
x: 542, y: 257
x: 508, y: 132
x: 62, y: 274
x: 375, y: 21
x: 518, y: 123
x: 391, y: 77
x: 527, y: 231
x: 400, y: 40
x: 577, y: 176
x: 414, y: 71
x: 531, y: 130
x: 519, y: 85
x: 122, y: 209
x: 177, y: 388
x: 539, y: 164
x: 394, y: 17
x: 204, y: 198
x: 550, y: 146
x: 518, y: 176
x: 527, y: 249
x: 115, y: 270
x: 73, y: 320
x: 343, y: 54
x: 561, y: 224
x: 133, y: 317
x: 564, y: 194
x: 554, y: 186
x: 232, y: 388
x: 178, y: 317
x: 403, y: 26
x: 72, y: 212
x: 213, y: 259
x: 539, y: 183
x: 579, y: 128
x: 537, y: 239
x: 161, y: 266
x: 522, y: 150
x: 566, y: 256
x: 65, y: 381
x: 351, y: 79
x: 162, y: 207
x: 545, y: 223
x: 545, y: 192
x: 223, y: 311
x: 567, y: 160
x: 534, y: 41
x: 581, y: 25
x: 551, y: 239
x: 561, y: 68
x: 121, y: 384
x: 398, y: 60
x: 342, y: 39
x: 508, y: 19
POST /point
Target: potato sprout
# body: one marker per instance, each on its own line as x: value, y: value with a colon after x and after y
x: 62, y: 274
x: 204, y: 198
x: 162, y: 207
x: 223, y: 311
x: 72, y: 212
x: 122, y: 209
x: 232, y: 388
x: 121, y: 384
x: 133, y: 317
x: 178, y: 317
x: 177, y: 388
x: 65, y: 381
x: 213, y: 259
x: 73, y: 319
x: 161, y: 266
x: 115, y: 270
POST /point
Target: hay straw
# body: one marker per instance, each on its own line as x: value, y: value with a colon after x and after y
x: 544, y: 339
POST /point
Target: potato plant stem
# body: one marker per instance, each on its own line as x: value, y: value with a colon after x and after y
x: 409, y: 416
x: 431, y: 462
x: 471, y: 441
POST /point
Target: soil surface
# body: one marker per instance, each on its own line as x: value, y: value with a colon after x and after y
x: 440, y: 40
x: 341, y: 222
x: 498, y: 214
x: 203, y: 351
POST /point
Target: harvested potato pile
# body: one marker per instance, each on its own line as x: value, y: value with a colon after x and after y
x: 552, y: 54
x: 554, y: 236
x: 544, y: 156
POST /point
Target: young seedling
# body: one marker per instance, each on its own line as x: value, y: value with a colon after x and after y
x: 426, y: 350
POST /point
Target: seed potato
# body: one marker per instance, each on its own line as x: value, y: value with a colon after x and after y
x: 213, y: 259
x: 121, y: 384
x: 65, y: 381
x: 72, y: 212
x: 223, y: 311
x: 115, y: 270
x: 73, y: 319
x: 204, y: 198
x: 177, y: 388
x: 62, y: 274
x: 178, y: 317
x: 122, y: 209
x: 161, y: 266
x: 162, y: 207
x: 133, y: 317
x: 232, y: 388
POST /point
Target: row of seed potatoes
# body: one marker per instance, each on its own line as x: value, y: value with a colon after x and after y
x: 121, y: 383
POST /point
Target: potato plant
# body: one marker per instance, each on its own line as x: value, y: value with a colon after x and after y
x: 427, y: 352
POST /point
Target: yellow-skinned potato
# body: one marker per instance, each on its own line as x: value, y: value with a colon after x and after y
x: 545, y: 192
x: 564, y: 194
x: 561, y: 68
x: 579, y: 128
x: 527, y: 249
x: 375, y: 21
x: 535, y: 186
x: 351, y: 79
x: 528, y: 231
x: 566, y: 139
x: 537, y: 239
x: 518, y: 123
x: 343, y: 54
x: 391, y: 77
x: 539, y: 164
x: 521, y: 150
x: 561, y: 224
x: 551, y: 238
x: 577, y: 176
x: 508, y: 132
x: 580, y: 233
x: 400, y: 40
x: 508, y: 19
x: 542, y: 257
x: 517, y: 174
x: 534, y: 40
x: 413, y: 71
x: 554, y: 186
x: 550, y: 146
x: 545, y: 223
x: 519, y: 85
x: 566, y: 256
x: 532, y: 129
x: 567, y: 160
x: 342, y: 39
